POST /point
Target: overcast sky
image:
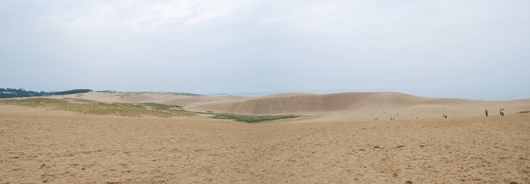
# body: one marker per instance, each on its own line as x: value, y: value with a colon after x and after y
x: 225, y: 46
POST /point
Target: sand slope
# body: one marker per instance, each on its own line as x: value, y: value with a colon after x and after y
x: 325, y: 107
x: 37, y: 147
x: 157, y: 97
x: 365, y: 106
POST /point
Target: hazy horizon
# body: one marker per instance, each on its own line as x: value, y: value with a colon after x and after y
x: 463, y: 49
x: 491, y: 94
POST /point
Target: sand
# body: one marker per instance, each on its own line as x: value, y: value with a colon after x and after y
x: 325, y: 107
x: 38, y: 145
x: 364, y: 106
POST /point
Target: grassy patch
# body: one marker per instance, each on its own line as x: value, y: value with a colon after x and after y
x: 203, y: 112
x: 130, y: 109
x: 250, y: 118
x: 523, y: 112
x: 97, y: 108
x: 80, y: 100
x: 160, y: 106
x: 127, y: 94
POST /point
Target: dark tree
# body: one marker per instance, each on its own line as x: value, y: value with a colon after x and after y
x: 10, y: 93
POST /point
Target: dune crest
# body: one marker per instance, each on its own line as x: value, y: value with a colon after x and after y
x: 339, y: 106
x: 362, y: 106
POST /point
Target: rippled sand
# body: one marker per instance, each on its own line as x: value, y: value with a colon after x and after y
x: 42, y: 146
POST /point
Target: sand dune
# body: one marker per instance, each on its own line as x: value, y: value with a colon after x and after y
x: 157, y: 97
x: 336, y: 141
x: 325, y: 107
x: 364, y: 106
x: 42, y: 146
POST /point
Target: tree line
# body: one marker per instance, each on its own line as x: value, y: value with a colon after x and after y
x: 10, y: 93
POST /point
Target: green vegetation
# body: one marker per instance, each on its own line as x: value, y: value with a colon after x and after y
x: 11, y: 93
x: 98, y: 108
x: 130, y: 109
x: 160, y: 106
x: 127, y: 94
x: 203, y: 112
x: 250, y: 118
x: 523, y: 112
x: 80, y: 100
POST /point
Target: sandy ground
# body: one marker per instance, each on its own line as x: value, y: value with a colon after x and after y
x: 326, y: 107
x: 43, y: 146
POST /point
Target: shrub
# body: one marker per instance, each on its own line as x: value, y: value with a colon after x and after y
x: 251, y: 118
x: 99, y: 108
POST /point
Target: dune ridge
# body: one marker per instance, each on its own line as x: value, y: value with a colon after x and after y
x: 337, y: 140
x: 350, y: 102
x: 324, y: 107
x: 43, y: 146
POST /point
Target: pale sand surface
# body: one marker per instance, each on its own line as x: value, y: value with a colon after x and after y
x: 325, y: 107
x: 38, y: 145
x: 164, y: 98
x: 364, y: 106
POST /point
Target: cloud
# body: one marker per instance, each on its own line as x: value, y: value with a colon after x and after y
x: 213, y: 9
x: 223, y: 40
x: 319, y: 14
x: 138, y: 16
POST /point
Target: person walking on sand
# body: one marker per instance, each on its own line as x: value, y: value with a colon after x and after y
x: 486, y: 112
x: 502, y: 112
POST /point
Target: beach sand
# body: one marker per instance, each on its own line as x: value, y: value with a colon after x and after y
x: 50, y: 146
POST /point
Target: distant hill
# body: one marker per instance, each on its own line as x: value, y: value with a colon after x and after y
x: 10, y: 93
x: 114, y: 91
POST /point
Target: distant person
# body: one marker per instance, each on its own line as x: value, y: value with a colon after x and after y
x: 486, y: 111
x: 502, y: 112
